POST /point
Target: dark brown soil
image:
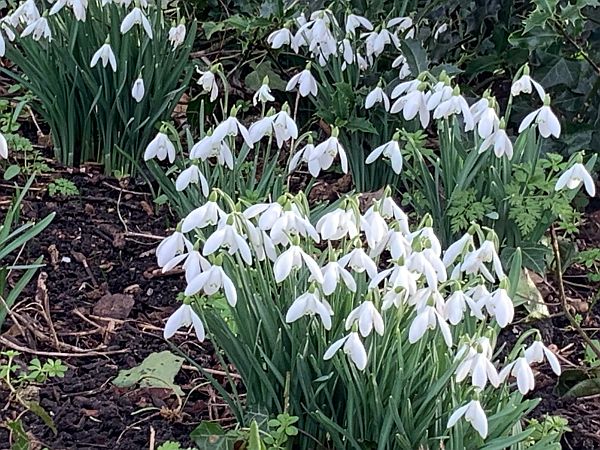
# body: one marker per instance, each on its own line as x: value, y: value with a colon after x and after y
x: 115, y: 307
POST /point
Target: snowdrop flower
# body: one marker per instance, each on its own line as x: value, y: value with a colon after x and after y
x: 545, y: 120
x: 332, y: 273
x: 292, y: 223
x: 191, y: 175
x: 177, y: 35
x: 184, y: 316
x: 403, y: 23
x: 440, y: 30
x: 172, y: 246
x: 227, y: 236
x: 293, y: 258
x: 376, y: 41
x: 500, y: 142
x: 573, y: 177
x: 375, y: 228
x: 212, y: 146
x: 359, y: 262
x: 367, y: 317
x: 205, y: 215
x: 353, y: 347
x: 474, y: 262
x: 79, y: 8
x: 105, y: 53
x: 538, y: 351
x: 522, y: 372
x: 487, y: 121
x: 457, y: 248
x: 474, y: 414
x: 389, y: 209
x: 323, y: 155
x: 524, y: 84
x: 160, y: 147
x: 231, y: 127
x: 428, y: 318
x: 302, y: 155
x: 305, y: 81
x: 138, y: 90
x: 310, y: 303
x: 27, y: 12
x: 377, y: 95
x: 353, y: 22
x: 208, y: 82
x: 263, y: 95
x: 478, y: 365
x: 455, y: 105
x: 345, y: 48
x: 262, y: 244
x: 406, y: 87
x: 440, y: 93
x: 136, y: 17
x: 499, y: 305
x: 268, y: 212
x: 37, y: 29
x: 456, y: 307
x: 210, y: 281
x: 280, y: 123
x: 3, y: 147
x: 337, y: 224
x: 411, y: 104
x: 2, y: 45
x: 390, y: 150
x: 279, y: 38
x: 193, y: 264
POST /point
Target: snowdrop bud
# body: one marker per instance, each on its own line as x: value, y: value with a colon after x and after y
x: 474, y: 414
x: 3, y: 147
x: 184, y: 316
x: 574, y: 176
x: 138, y: 90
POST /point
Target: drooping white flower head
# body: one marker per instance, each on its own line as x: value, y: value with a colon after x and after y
x: 306, y: 83
x: 293, y: 258
x: 263, y: 95
x: 367, y: 317
x: 3, y: 147
x: 544, y: 119
x: 310, y: 303
x: 354, y: 21
x: 475, y: 361
x: 413, y: 102
x: 105, y: 53
x: 522, y: 372
x: 184, y: 316
x: 337, y: 224
x: 213, y: 146
x: 353, y: 347
x: 280, y: 123
x: 232, y: 127
x: 136, y: 17
x: 332, y: 273
x: 574, y: 176
x: 390, y: 150
x: 177, y: 35
x: 171, y: 246
x: 138, y: 90
x: 208, y: 82
x: 323, y: 155
x: 536, y: 353
x: 474, y: 414
x: 377, y: 95
x: 160, y: 147
x: 228, y: 236
x: 456, y: 104
x: 212, y: 280
x: 203, y: 216
x: 500, y: 142
x: 500, y: 306
x: 440, y: 30
x: 359, y: 262
x: 474, y: 262
x: 429, y: 318
x: 37, y: 29
x: 525, y: 84
x: 79, y: 8
x: 192, y: 175
x: 279, y: 38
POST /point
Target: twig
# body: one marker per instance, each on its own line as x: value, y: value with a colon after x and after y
x: 123, y: 190
x: 22, y: 349
x: 563, y: 296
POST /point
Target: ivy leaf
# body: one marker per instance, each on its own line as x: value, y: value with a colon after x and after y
x: 158, y: 370
x: 416, y: 56
x: 559, y: 74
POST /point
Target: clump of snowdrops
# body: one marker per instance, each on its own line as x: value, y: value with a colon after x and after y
x: 104, y: 72
x: 363, y: 77
x: 361, y: 325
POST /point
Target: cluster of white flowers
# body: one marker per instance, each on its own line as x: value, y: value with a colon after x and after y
x: 26, y: 21
x: 401, y: 269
